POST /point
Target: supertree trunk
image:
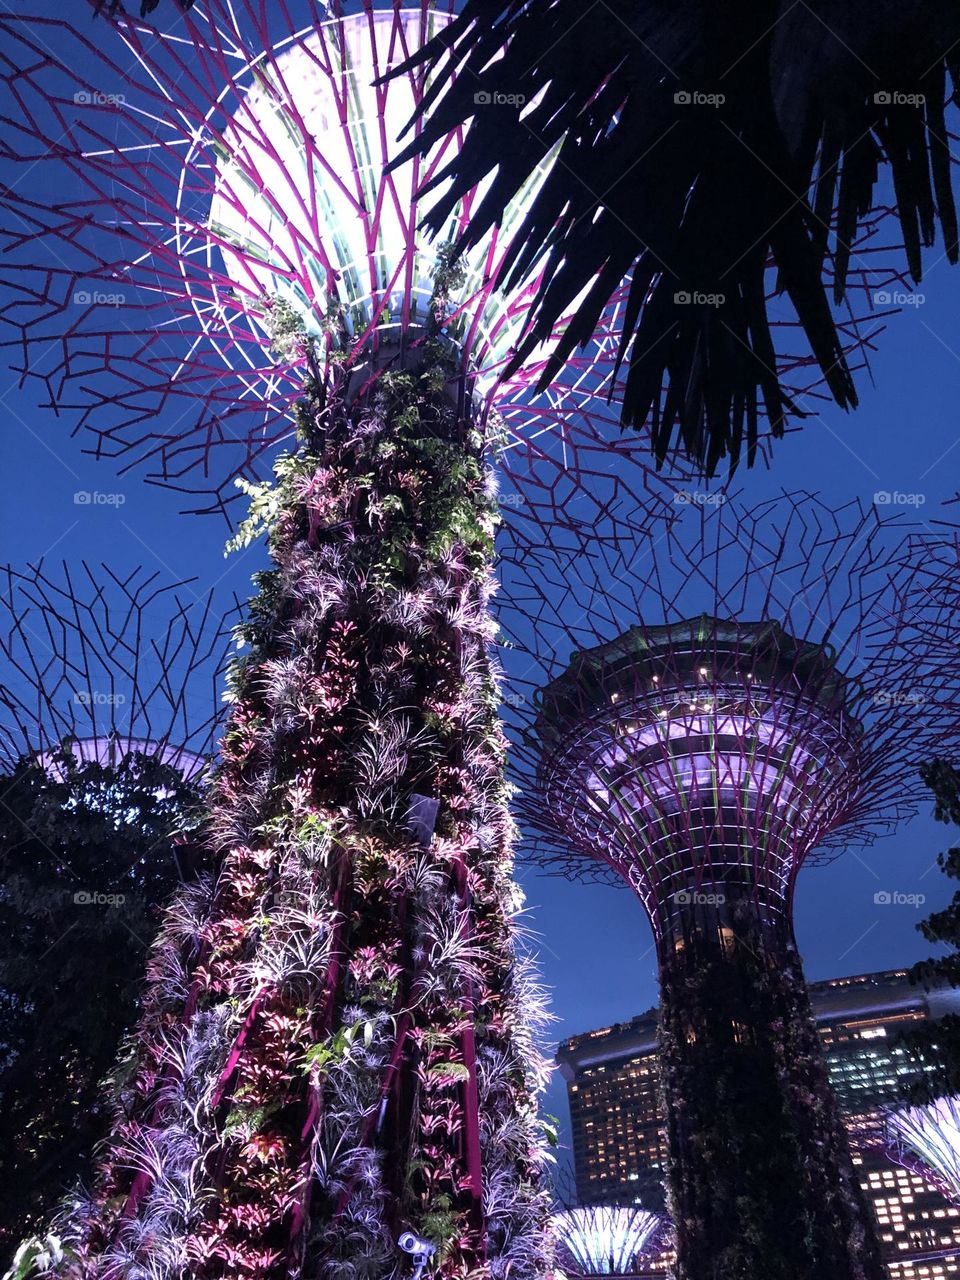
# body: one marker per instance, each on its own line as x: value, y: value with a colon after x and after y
x: 760, y: 1180
x: 336, y: 1044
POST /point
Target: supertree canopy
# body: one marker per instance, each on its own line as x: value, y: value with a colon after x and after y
x: 109, y: 704
x: 752, y: 717
x: 226, y: 231
x: 605, y: 1240
x: 213, y: 192
x: 105, y: 665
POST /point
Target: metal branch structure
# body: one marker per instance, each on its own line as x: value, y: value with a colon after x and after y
x: 104, y: 665
x: 203, y: 186
x: 605, y: 1240
x: 209, y: 189
x: 737, y: 706
x: 929, y: 622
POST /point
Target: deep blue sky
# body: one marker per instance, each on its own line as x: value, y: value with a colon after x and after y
x: 595, y: 945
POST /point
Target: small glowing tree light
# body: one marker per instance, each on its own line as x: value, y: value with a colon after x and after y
x: 605, y: 1240
x: 927, y: 1139
x: 735, y: 709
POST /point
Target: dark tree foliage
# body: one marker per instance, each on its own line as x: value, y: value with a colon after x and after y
x: 87, y: 856
x: 696, y: 142
x: 935, y: 1048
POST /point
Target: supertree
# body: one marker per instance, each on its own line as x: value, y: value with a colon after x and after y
x: 927, y: 1139
x: 335, y: 1054
x: 735, y: 708
x: 605, y: 1240
x: 109, y: 707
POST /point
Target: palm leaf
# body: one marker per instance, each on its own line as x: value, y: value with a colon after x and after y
x: 695, y: 144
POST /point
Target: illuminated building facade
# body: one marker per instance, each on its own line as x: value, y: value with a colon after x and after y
x: 620, y: 1149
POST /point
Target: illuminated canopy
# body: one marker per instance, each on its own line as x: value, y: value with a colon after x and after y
x: 303, y: 211
x: 603, y: 1240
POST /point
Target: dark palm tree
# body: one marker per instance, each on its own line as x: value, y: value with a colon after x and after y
x: 695, y: 144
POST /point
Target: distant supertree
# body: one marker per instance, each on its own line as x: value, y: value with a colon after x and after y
x: 605, y: 1240
x: 109, y: 706
x: 736, y: 707
x: 929, y: 619
x: 927, y: 1138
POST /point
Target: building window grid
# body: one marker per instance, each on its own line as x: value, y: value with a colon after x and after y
x: 618, y: 1116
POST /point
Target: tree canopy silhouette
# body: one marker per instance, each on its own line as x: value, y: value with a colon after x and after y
x: 695, y: 145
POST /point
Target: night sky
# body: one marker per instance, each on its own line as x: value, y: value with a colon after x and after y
x: 595, y: 946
